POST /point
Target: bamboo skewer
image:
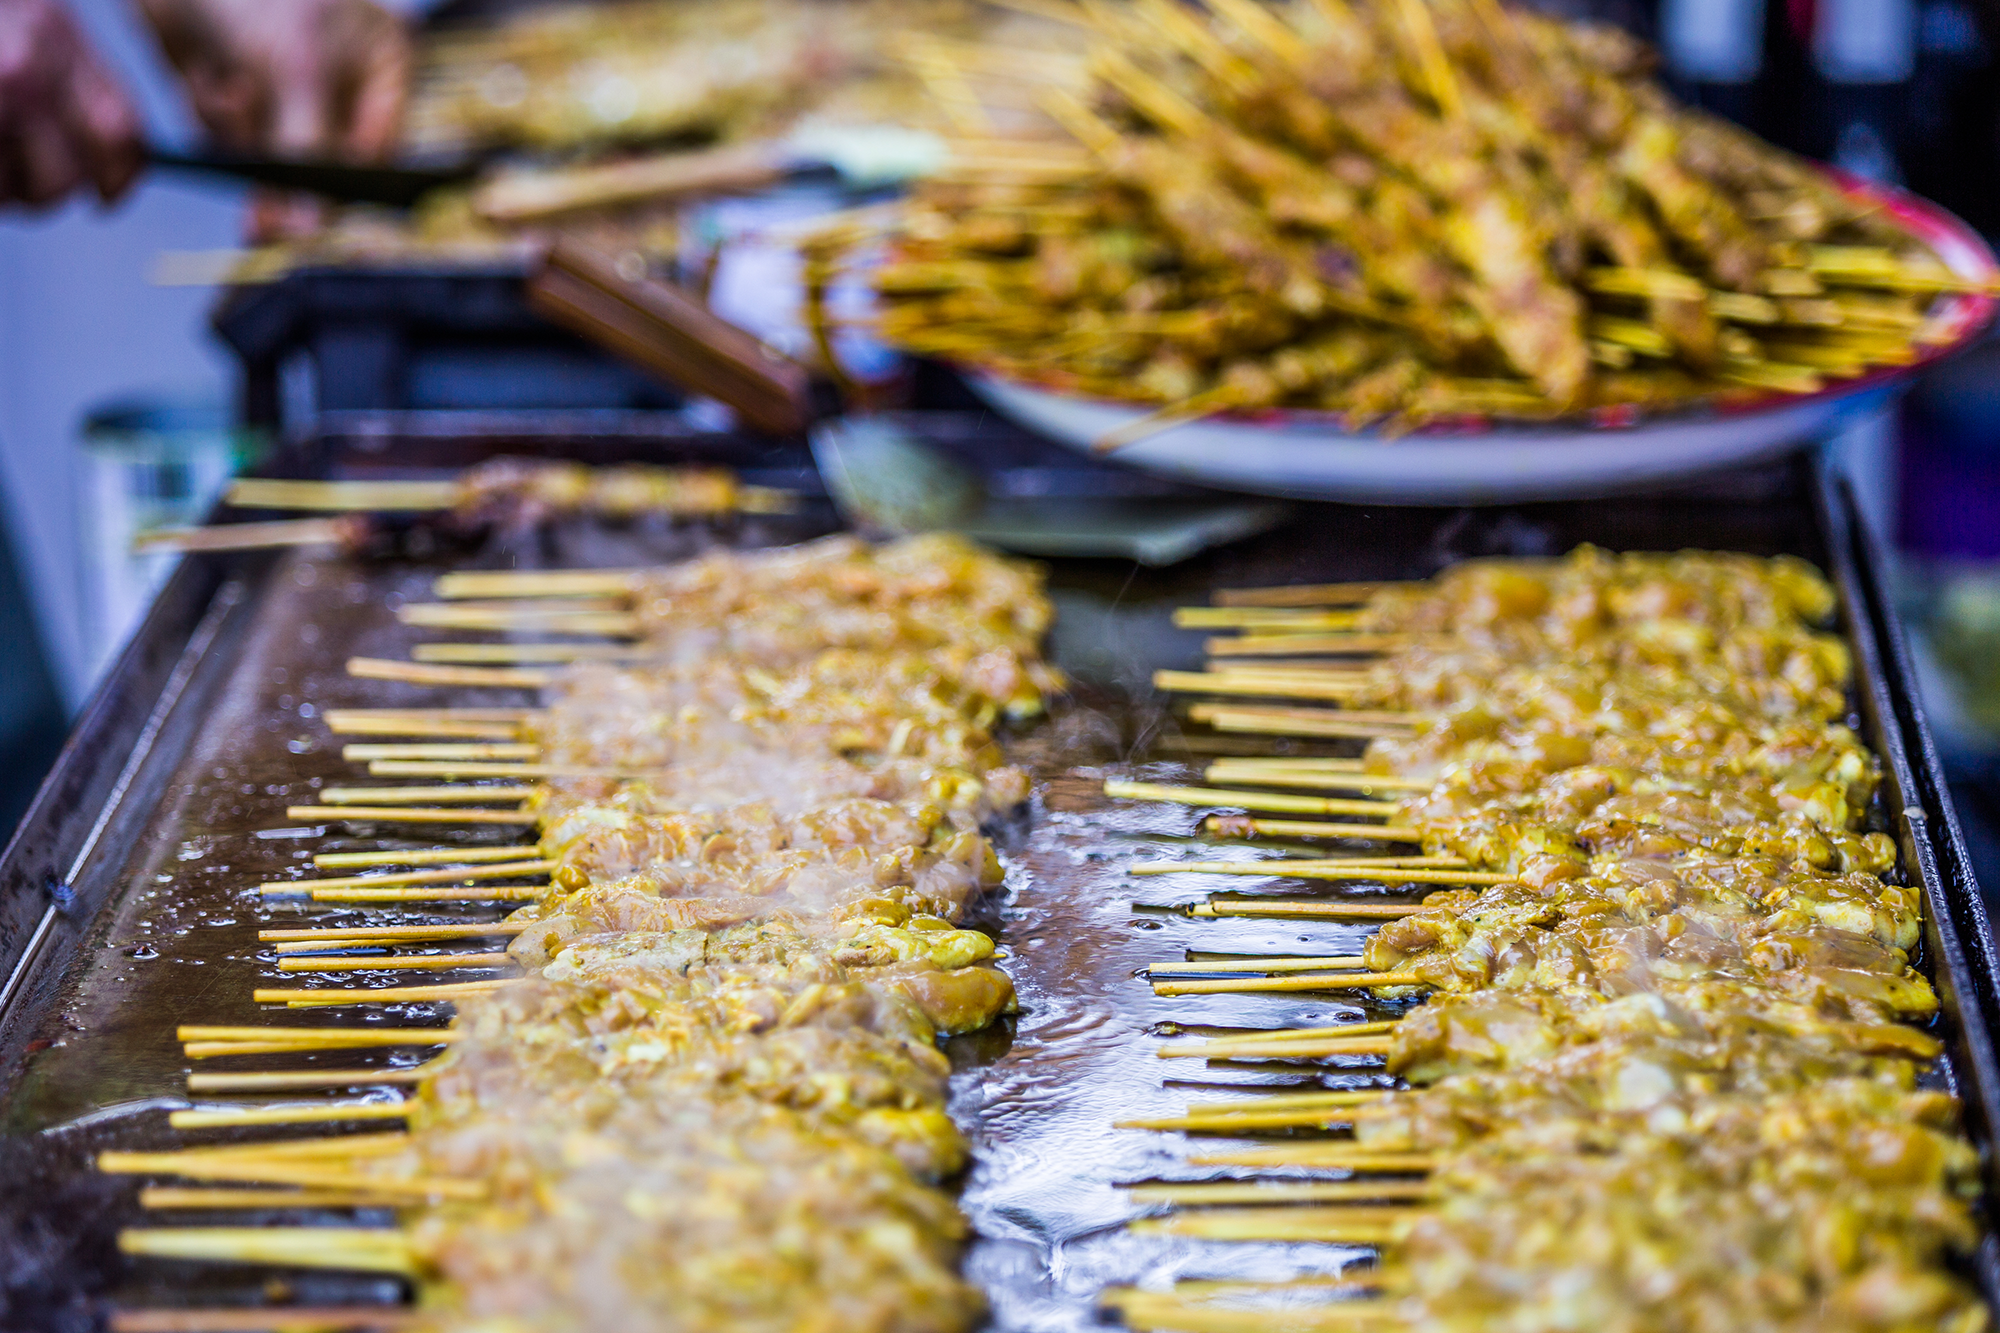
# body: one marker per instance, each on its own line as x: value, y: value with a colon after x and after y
x: 1293, y: 867
x: 393, y: 814
x: 429, y: 673
x: 1247, y: 985
x: 518, y: 716
x: 383, y: 1143
x: 349, y: 944
x: 1321, y: 668
x: 452, y: 875
x: 1309, y: 911
x: 1294, y: 909
x: 206, y: 1118
x: 330, y: 1037
x: 1292, y: 764
x: 1307, y: 645
x: 1247, y: 800
x: 1267, y: 619
x: 179, y: 1198
x: 429, y: 962
x: 489, y: 893
x: 482, y: 583
x: 343, y: 723
x: 1147, y: 1311
x: 1223, y: 825
x: 486, y: 653
x: 410, y: 1189
x: 1377, y: 718
x: 452, y: 931
x: 1295, y: 1101
x: 419, y: 795
x: 269, y: 1319
x: 367, y: 1249
x: 279, y: 1172
x: 1327, y: 723
x: 1330, y: 781
x: 1316, y: 1048
x: 290, y: 1080
x: 441, y: 615
x: 1204, y: 1193
x: 1328, y: 963
x: 1328, y: 1156
x: 254, y: 536
x: 1285, y: 852
x: 1172, y: 416
x: 342, y: 496
x: 1305, y: 685
x: 1305, y: 594
x: 414, y: 613
x: 432, y: 855
x: 1348, y: 1226
x: 302, y: 999
x: 207, y: 1050
x: 366, y: 752
x: 483, y: 768
x: 1370, y: 1028
x: 1241, y: 1124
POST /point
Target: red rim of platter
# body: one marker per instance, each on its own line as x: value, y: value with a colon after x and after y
x: 1963, y: 316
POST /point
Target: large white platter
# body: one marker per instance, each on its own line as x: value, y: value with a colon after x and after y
x: 1308, y: 455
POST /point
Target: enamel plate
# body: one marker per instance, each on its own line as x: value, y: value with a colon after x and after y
x: 1308, y: 455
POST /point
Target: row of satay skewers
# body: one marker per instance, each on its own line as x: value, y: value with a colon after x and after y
x: 504, y: 492
x: 351, y: 1170
x: 1392, y: 1185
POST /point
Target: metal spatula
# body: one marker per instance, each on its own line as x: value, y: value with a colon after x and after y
x: 887, y: 483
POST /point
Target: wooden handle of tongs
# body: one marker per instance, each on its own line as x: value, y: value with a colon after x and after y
x: 669, y: 332
x: 523, y: 197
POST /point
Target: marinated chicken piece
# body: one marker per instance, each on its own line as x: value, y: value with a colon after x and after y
x: 1835, y: 1206
x: 685, y: 1213
x: 912, y: 596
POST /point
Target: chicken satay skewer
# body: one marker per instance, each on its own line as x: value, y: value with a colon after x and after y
x: 1275, y: 802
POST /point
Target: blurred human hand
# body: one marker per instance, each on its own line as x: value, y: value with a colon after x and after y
x: 63, y: 118
x: 295, y: 78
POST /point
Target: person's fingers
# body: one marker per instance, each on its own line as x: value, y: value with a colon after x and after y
x: 281, y: 215
x: 231, y: 105
x: 10, y: 172
x: 51, y: 163
x: 381, y: 92
x: 298, y: 95
x: 106, y: 125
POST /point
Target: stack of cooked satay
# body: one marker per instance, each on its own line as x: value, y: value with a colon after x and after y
x: 710, y: 1094
x: 1667, y: 1070
x: 1396, y: 210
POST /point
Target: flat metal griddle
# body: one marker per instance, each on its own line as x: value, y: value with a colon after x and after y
x: 127, y: 899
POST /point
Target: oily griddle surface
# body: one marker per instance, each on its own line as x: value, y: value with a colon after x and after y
x: 1038, y: 1094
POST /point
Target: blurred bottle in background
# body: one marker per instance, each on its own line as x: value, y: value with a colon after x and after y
x: 145, y: 464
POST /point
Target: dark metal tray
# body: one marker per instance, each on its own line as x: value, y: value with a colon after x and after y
x: 123, y: 911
